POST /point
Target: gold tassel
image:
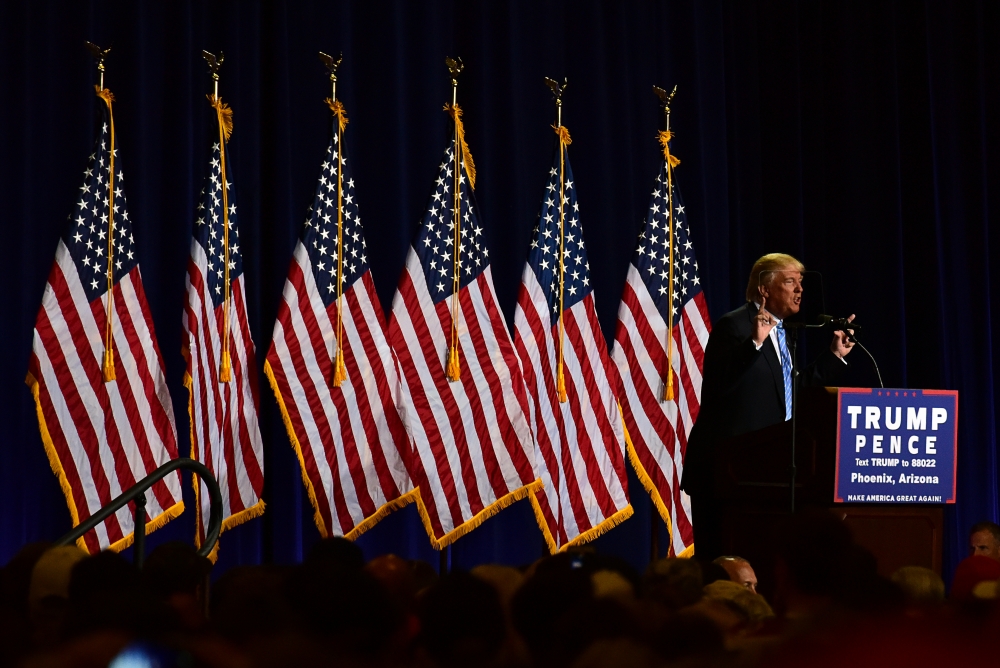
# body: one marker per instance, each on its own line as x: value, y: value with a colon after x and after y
x: 665, y: 136
x: 105, y: 94
x: 339, y: 111
x: 225, y: 112
x: 108, y: 370
x: 454, y: 370
x: 563, y: 133
x: 225, y: 368
x: 339, y: 370
x: 470, y: 167
x: 561, y: 384
x: 668, y: 391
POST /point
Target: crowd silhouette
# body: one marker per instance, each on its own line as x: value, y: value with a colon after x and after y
x: 580, y: 609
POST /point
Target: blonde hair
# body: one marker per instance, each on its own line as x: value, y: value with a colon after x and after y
x: 769, y: 264
x: 919, y: 584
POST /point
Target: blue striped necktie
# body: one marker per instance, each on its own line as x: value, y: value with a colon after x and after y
x: 786, y: 369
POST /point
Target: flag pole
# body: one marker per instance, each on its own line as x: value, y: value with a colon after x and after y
x: 666, y: 99
x: 453, y: 369
x: 108, y: 365
x: 224, y: 115
x: 564, y: 141
x: 339, y: 368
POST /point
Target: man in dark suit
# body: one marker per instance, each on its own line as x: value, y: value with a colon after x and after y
x: 746, y: 382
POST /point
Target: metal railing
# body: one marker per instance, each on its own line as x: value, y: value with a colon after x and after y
x: 137, y: 493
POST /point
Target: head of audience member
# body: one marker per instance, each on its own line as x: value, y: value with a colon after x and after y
x: 542, y: 599
x: 673, y: 582
x: 461, y: 622
x: 751, y: 604
x: 776, y: 282
x: 106, y: 593
x: 396, y: 577
x: 818, y: 565
x: 48, y: 592
x: 739, y: 571
x: 984, y: 540
x: 251, y: 592
x: 175, y: 573
x: 970, y: 572
x: 336, y: 553
x: 175, y: 568
x: 348, y: 608
x: 920, y: 586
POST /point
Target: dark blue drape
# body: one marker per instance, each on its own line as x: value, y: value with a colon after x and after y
x: 853, y: 135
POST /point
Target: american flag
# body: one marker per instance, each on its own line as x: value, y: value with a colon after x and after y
x: 349, y: 439
x: 658, y: 429
x: 225, y: 435
x: 472, y: 444
x: 580, y: 447
x: 102, y: 437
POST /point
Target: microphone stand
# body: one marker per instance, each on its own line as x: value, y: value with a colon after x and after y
x: 792, y: 332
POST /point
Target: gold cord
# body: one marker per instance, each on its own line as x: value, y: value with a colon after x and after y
x: 665, y: 136
x: 108, y: 367
x: 340, y: 369
x: 564, y: 141
x: 453, y: 370
x: 225, y: 364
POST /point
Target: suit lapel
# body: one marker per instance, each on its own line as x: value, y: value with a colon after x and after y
x: 771, y: 355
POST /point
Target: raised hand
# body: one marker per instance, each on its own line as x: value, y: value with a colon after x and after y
x: 841, y: 344
x: 763, y: 323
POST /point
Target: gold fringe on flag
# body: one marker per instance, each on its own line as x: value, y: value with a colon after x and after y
x: 225, y: 118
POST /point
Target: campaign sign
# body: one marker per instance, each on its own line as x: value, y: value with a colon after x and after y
x: 896, y: 446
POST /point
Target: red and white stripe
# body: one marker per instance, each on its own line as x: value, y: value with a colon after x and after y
x: 225, y: 434
x: 102, y: 438
x: 580, y: 447
x: 350, y: 440
x: 472, y: 445
x: 658, y: 430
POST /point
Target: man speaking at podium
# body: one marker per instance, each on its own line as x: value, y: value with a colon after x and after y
x: 747, y: 382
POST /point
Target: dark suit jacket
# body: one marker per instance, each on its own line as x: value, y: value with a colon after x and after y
x: 742, y: 390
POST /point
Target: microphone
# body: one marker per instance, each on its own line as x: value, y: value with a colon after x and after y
x: 841, y: 325
x: 852, y: 329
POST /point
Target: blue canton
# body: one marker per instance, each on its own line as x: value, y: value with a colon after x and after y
x: 209, y: 230
x: 87, y: 238
x: 319, y: 235
x: 543, y: 256
x: 652, y: 257
x: 435, y: 241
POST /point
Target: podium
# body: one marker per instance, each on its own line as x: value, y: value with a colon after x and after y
x: 752, y: 473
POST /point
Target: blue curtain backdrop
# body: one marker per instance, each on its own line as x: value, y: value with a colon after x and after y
x: 853, y: 135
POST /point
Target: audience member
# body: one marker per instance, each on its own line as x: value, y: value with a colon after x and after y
x: 574, y: 609
x: 48, y: 593
x: 674, y: 583
x: 984, y: 540
x: 461, y: 622
x: 920, y: 586
x: 750, y: 603
x: 739, y: 571
x: 970, y: 572
x: 175, y: 574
